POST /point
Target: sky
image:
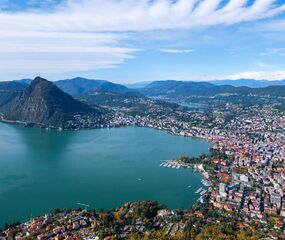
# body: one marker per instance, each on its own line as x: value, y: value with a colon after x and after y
x: 129, y: 41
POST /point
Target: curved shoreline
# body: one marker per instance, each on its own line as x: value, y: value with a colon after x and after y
x: 145, y: 170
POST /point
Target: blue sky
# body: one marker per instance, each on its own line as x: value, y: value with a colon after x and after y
x: 141, y: 40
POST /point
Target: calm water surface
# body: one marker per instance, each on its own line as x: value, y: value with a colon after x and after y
x: 42, y: 170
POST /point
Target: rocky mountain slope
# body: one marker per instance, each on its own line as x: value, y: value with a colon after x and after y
x: 43, y: 103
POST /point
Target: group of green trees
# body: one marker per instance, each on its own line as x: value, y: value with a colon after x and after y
x: 221, y: 231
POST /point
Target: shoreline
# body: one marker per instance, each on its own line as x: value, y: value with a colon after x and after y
x: 37, y: 125
x: 157, y: 158
x: 203, y: 172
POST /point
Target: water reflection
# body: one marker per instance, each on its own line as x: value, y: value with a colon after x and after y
x: 44, y: 144
x: 42, y: 170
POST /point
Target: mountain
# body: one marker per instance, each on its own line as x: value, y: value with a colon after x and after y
x: 25, y: 81
x: 248, y: 83
x: 110, y: 99
x: 171, y: 88
x: 43, y: 103
x: 12, y: 86
x: 174, y: 89
x: 278, y: 91
x: 79, y: 86
x: 9, y: 90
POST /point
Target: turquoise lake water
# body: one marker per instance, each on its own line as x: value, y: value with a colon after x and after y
x: 42, y: 170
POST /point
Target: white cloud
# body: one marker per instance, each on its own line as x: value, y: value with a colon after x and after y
x: 177, y: 50
x: 81, y: 35
x: 259, y: 75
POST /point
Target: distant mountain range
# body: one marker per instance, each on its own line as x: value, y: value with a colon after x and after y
x: 235, y: 83
x: 173, y: 89
x: 78, y: 86
x: 43, y: 103
x: 248, y: 83
x: 50, y: 103
x: 169, y: 88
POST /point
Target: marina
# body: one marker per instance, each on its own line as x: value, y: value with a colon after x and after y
x: 174, y: 164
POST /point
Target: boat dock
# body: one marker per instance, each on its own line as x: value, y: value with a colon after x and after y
x: 199, y: 190
x: 206, y: 183
x: 173, y: 164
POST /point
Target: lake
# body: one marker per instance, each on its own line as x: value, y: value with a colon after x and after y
x: 42, y: 170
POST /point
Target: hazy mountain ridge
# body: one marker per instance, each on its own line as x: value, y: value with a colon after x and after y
x: 79, y: 86
x: 9, y: 90
x: 252, y: 83
x: 173, y: 89
x: 110, y: 93
x: 249, y: 83
x: 12, y: 86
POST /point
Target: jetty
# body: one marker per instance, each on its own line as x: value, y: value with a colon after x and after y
x: 203, y: 192
x: 199, y: 190
x: 173, y: 164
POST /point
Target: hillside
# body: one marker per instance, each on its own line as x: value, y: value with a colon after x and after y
x: 9, y: 90
x: 173, y: 89
x: 79, y: 86
x: 44, y: 104
x: 12, y: 86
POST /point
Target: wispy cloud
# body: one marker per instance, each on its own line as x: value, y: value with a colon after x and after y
x: 177, y: 50
x: 273, y: 51
x: 60, y: 39
x: 110, y: 15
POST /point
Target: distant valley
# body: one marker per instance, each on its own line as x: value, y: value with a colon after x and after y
x: 84, y: 103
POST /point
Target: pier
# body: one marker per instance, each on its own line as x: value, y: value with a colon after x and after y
x: 175, y: 164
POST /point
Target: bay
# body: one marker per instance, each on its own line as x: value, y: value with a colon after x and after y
x: 42, y: 170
